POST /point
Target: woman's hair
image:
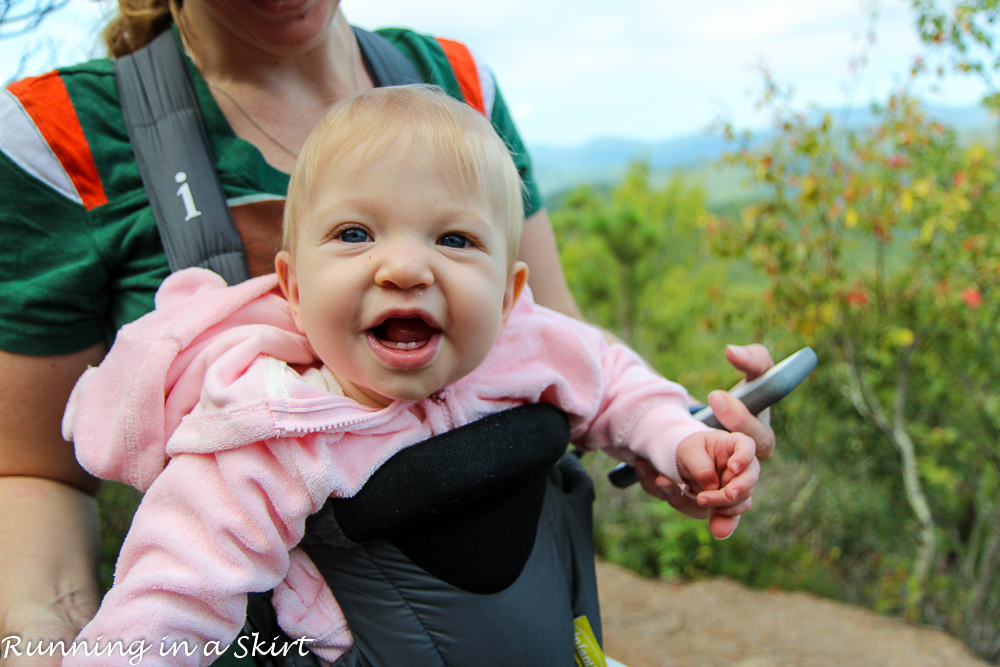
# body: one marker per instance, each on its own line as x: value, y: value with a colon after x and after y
x: 138, y: 22
x: 384, y: 123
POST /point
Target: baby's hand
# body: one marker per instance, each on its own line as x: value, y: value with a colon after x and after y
x: 721, y: 468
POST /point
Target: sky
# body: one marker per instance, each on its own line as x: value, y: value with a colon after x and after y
x: 646, y: 70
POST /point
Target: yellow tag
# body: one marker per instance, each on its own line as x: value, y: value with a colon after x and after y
x: 588, y: 651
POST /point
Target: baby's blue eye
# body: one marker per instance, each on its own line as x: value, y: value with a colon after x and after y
x: 355, y: 235
x: 454, y: 241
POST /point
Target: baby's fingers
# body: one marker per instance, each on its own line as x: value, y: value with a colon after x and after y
x: 741, y: 451
x: 696, y: 465
x: 736, y: 487
x: 736, y: 491
x: 721, y: 498
x: 737, y: 458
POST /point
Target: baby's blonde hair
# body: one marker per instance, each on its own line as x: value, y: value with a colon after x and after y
x: 387, y: 122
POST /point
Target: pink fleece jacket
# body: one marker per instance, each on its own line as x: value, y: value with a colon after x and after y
x: 199, y: 405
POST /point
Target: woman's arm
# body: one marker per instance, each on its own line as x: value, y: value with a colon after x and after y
x: 545, y: 275
x: 48, y: 516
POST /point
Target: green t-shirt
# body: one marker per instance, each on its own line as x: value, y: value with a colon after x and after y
x: 81, y: 255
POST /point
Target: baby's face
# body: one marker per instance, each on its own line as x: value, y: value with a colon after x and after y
x: 400, y: 277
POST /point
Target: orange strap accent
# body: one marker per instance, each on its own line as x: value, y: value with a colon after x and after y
x: 47, y: 102
x: 464, y: 67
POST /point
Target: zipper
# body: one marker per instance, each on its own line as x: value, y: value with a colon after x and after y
x: 440, y: 399
x: 383, y: 414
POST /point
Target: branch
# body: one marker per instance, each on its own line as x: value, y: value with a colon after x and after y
x: 970, y: 551
x: 867, y: 405
x: 988, y: 568
x: 20, y: 17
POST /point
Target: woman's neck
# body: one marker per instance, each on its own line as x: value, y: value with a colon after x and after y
x: 274, y: 96
x: 319, y: 57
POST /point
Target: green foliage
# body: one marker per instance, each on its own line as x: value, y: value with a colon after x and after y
x: 881, y: 251
x: 966, y: 33
x: 638, y: 265
x: 117, y: 503
x: 654, y: 540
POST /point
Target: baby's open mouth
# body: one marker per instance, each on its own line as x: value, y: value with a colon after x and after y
x: 403, y: 333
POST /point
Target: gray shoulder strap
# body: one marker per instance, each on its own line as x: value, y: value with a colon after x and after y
x: 171, y: 148
x: 385, y: 63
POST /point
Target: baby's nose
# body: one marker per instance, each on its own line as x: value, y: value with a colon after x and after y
x: 404, y: 268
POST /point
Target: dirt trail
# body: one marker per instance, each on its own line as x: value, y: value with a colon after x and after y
x: 718, y: 622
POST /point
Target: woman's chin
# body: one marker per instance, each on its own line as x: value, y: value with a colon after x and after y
x: 287, y: 28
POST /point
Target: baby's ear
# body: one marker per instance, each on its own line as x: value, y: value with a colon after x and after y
x: 515, y: 284
x: 289, y: 283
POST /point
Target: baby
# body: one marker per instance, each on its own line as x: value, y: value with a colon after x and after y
x: 398, y: 311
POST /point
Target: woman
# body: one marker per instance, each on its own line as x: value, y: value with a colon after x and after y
x: 83, y: 256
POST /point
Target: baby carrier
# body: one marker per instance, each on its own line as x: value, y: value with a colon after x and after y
x: 472, y: 548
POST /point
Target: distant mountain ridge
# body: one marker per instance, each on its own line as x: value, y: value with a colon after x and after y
x: 603, y: 161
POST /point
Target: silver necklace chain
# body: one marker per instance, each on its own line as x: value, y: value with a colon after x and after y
x: 263, y: 130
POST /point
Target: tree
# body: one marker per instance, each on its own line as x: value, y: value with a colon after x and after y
x: 20, y: 17
x: 615, y: 246
x: 638, y: 265
x: 881, y: 250
x: 966, y: 33
x: 636, y: 260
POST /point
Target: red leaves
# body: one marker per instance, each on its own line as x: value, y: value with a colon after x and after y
x: 972, y: 297
x: 857, y: 297
x: 897, y: 161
